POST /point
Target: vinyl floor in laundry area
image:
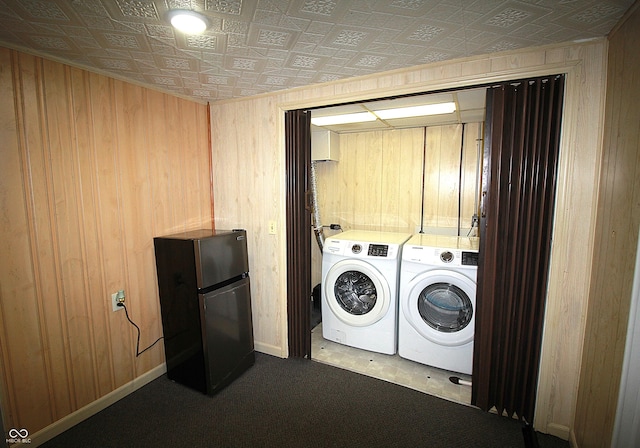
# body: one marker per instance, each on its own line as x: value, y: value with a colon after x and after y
x: 390, y: 368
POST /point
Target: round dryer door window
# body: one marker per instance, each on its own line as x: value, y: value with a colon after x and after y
x: 440, y: 305
x: 357, y: 293
x: 445, y: 307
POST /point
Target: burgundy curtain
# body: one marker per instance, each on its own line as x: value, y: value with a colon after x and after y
x: 518, y: 193
x: 298, y: 159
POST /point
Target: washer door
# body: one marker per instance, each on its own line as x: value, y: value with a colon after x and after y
x: 357, y: 293
x: 440, y: 305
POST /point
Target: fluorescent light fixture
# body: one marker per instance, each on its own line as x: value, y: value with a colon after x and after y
x: 416, y: 111
x: 329, y: 120
x: 188, y: 22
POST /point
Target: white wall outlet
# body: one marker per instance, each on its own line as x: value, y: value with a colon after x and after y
x: 116, y: 298
x: 272, y: 228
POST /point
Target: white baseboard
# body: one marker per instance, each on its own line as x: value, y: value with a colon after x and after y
x: 559, y: 431
x: 269, y: 349
x: 58, y: 427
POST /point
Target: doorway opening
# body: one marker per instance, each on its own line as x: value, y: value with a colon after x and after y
x: 470, y: 108
x: 411, y: 225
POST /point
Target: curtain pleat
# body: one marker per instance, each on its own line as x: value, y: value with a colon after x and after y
x: 298, y: 159
x: 518, y: 193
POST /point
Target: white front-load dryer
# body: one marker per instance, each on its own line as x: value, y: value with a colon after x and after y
x: 360, y: 274
x: 437, y: 301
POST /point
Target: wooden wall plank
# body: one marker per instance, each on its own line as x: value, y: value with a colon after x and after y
x: 24, y: 329
x: 160, y: 145
x: 108, y: 210
x: 17, y: 288
x: 441, y: 203
x: 83, y: 121
x: 136, y: 211
x: 472, y: 156
x: 61, y: 151
x: 10, y: 184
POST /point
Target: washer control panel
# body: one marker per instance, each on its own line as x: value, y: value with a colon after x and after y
x: 361, y: 249
x: 378, y: 250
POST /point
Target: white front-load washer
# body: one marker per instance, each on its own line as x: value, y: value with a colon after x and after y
x: 360, y: 274
x: 437, y: 301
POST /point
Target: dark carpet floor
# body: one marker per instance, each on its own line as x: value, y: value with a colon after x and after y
x: 293, y: 403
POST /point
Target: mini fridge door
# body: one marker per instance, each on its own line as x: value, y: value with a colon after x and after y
x: 227, y: 333
x: 221, y: 257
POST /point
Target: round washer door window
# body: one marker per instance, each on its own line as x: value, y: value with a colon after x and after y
x: 356, y: 292
x: 440, y: 306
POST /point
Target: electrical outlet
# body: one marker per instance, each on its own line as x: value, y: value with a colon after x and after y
x: 272, y: 227
x: 116, y: 298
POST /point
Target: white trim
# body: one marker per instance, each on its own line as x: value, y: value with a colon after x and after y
x: 560, y: 431
x: 269, y: 349
x: 58, y: 427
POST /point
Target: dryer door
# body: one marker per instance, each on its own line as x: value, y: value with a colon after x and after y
x: 356, y: 292
x: 440, y: 305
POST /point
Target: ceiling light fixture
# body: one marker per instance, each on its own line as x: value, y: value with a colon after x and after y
x: 188, y: 22
x: 416, y: 111
x: 329, y: 120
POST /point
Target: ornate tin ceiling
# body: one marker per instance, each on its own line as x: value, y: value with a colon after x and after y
x: 257, y: 46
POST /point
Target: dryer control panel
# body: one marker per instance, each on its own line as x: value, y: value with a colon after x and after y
x: 469, y: 258
x: 438, y: 256
x: 442, y: 250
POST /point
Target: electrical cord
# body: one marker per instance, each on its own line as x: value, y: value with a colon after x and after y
x: 138, y: 352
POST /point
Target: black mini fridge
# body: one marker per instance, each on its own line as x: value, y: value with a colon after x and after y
x: 205, y: 301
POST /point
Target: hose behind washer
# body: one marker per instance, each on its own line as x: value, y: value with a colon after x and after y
x: 316, y: 223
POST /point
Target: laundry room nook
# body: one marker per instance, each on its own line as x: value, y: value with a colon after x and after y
x: 421, y: 179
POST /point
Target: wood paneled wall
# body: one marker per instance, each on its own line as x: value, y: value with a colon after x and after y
x: 249, y: 192
x: 377, y: 182
x: 616, y: 237
x: 452, y: 177
x: 248, y: 148
x: 365, y: 188
x: 92, y: 170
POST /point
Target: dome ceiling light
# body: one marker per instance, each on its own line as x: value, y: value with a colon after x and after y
x: 188, y: 22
